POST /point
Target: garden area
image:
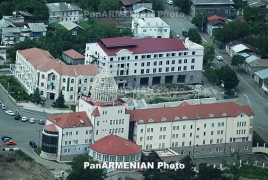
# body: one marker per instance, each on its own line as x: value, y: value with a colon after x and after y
x: 14, y: 88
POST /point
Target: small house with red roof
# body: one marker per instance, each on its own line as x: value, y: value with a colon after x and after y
x: 66, y: 135
x: 214, y: 21
x: 73, y: 57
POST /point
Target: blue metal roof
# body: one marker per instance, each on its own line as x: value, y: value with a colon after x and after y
x: 263, y: 74
x: 251, y: 59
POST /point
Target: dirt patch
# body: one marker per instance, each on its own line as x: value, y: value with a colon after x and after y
x: 13, y: 167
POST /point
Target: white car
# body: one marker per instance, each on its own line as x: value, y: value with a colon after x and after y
x: 32, y: 120
x: 170, y: 2
x: 178, y: 36
x: 3, y: 107
x: 24, y: 119
x: 9, y: 113
x: 219, y: 58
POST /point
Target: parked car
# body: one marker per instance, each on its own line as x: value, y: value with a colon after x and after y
x: 170, y: 2
x: 7, y: 140
x: 24, y: 119
x: 178, y: 36
x: 3, y: 137
x: 32, y: 120
x: 11, y: 142
x: 41, y: 122
x: 219, y: 58
x: 32, y: 144
x: 9, y: 112
x: 3, y: 107
x: 184, y: 33
x: 17, y: 117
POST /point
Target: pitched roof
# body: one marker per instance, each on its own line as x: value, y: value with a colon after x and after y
x: 251, y: 58
x: 37, y: 27
x: 69, y: 25
x: 190, y: 112
x: 11, y: 30
x: 131, y: 2
x: 63, y: 7
x: 139, y: 9
x: 184, y: 103
x: 96, y: 112
x: 108, y: 21
x: 259, y: 63
x: 211, y: 2
x: 51, y: 127
x: 233, y: 43
x: 6, y: 23
x: 44, y: 61
x: 239, y: 48
x: 73, y: 54
x: 263, y: 74
x: 141, y: 45
x: 215, y: 22
x: 69, y: 120
x: 251, y: 48
x: 115, y: 145
x: 216, y: 17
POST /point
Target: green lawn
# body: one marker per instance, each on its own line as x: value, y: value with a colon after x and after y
x: 37, y: 151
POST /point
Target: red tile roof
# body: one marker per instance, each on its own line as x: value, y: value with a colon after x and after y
x: 44, y: 61
x: 251, y: 47
x: 216, y: 17
x: 51, y: 127
x: 192, y: 112
x: 92, y: 102
x: 141, y: 45
x: 68, y: 120
x: 115, y: 145
x: 73, y: 54
x: 96, y: 112
x: 184, y: 103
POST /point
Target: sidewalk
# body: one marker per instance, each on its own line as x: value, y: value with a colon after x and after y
x: 32, y: 108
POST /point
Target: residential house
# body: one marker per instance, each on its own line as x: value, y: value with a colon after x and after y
x: 142, y: 12
x: 28, y: 17
x: 151, y: 27
x: 75, y: 29
x: 109, y: 21
x: 127, y: 5
x: 73, y: 57
x: 16, y: 19
x: 137, y: 62
x: 64, y: 12
x: 241, y: 48
x: 37, y: 29
x: 261, y: 78
x: 214, y: 22
x: 5, y: 23
x: 230, y: 45
x: 38, y: 68
x: 247, y: 65
x: 66, y: 135
x: 10, y: 35
x: 212, y: 7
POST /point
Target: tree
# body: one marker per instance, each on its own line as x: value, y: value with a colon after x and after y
x: 108, y: 5
x: 237, y: 60
x: 60, y: 102
x: 152, y: 174
x: 182, y: 4
x: 209, y: 173
x: 187, y: 173
x: 126, y: 32
x: 158, y: 5
x: 200, y: 21
x: 254, y: 13
x: 261, y: 43
x: 36, y: 96
x: 209, y: 52
x: 78, y: 172
x: 194, y: 36
x: 228, y: 76
x: 234, y: 166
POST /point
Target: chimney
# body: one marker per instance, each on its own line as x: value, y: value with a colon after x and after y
x: 81, y: 121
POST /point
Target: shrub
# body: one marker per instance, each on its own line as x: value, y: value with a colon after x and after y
x: 25, y: 156
x: 11, y: 149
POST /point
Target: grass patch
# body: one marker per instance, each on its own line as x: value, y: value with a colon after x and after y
x: 37, y: 151
x: 254, y: 172
x: 15, y: 89
x: 26, y: 157
x: 73, y: 108
x: 257, y: 139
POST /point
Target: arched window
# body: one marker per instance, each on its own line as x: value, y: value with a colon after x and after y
x: 43, y: 76
x: 72, y: 81
x: 91, y: 80
x: 53, y: 78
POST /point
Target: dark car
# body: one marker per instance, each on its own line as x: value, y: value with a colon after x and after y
x: 32, y: 144
x: 17, y: 117
x: 184, y: 33
x: 5, y: 137
x: 41, y: 122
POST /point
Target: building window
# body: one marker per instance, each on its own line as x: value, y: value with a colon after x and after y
x: 43, y: 76
x: 193, y: 60
x: 147, y: 70
x: 167, y: 62
x: 180, y: 61
x: 85, y: 81
x: 63, y: 80
x: 185, y: 60
x: 142, y: 71
x: 192, y: 67
x: 160, y: 62
x: 173, y: 62
x: 172, y: 68
x: 179, y: 68
x: 71, y: 89
x: 142, y: 64
x: 154, y: 70
x: 160, y: 70
x: 42, y: 84
x: 193, y: 53
x: 211, y: 10
x: 72, y: 81
x: 71, y: 97
x: 155, y: 63
x: 184, y: 68
x: 135, y: 71
x: 148, y: 63
x: 167, y: 69
x: 91, y: 79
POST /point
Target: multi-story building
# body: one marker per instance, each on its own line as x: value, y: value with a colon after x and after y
x: 64, y: 12
x: 196, y: 130
x: 65, y: 136
x: 150, y: 27
x: 38, y: 68
x: 148, y: 61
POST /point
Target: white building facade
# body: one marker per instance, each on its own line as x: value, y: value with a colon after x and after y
x: 154, y: 27
x: 195, y: 130
x: 37, y: 68
x: 136, y: 62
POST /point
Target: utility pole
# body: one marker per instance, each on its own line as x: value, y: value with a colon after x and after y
x: 39, y: 131
x: 7, y: 92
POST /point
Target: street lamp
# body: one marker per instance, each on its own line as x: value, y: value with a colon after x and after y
x: 7, y: 92
x: 202, y: 21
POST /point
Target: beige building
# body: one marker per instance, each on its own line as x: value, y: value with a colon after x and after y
x: 38, y: 68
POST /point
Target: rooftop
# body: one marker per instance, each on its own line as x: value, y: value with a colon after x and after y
x: 108, y: 21
x: 69, y: 120
x: 216, y: 17
x: 141, y: 45
x: 11, y: 30
x: 139, y: 9
x: 239, y: 48
x: 188, y: 112
x: 73, y: 54
x: 259, y: 63
x: 115, y: 145
x: 214, y: 2
x: 263, y: 74
x: 51, y: 127
x: 37, y: 27
x: 5, y: 23
x: 69, y: 25
x: 131, y: 2
x: 63, y: 7
x: 251, y: 58
x: 89, y: 100
x: 152, y: 22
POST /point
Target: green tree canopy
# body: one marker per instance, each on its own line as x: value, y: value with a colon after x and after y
x: 60, y: 101
x: 194, y: 36
x: 237, y: 60
x: 36, y: 96
x: 228, y: 76
x: 158, y: 5
x: 152, y: 174
x: 261, y: 43
x: 254, y: 13
x: 184, y: 5
x: 78, y: 172
x: 209, y: 52
x: 108, y: 5
x: 200, y: 21
x: 209, y: 173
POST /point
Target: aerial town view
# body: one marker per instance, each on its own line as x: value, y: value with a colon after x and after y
x: 134, y: 90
